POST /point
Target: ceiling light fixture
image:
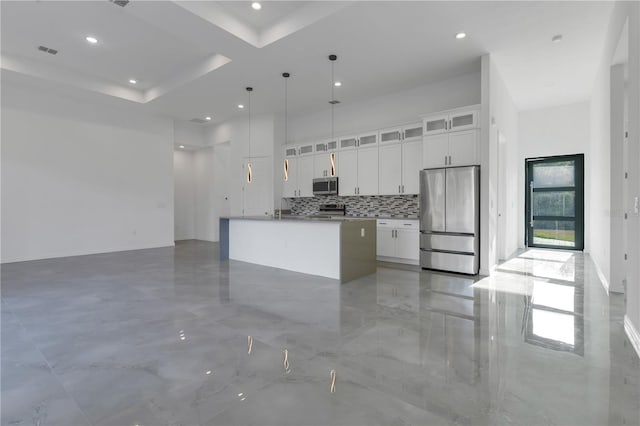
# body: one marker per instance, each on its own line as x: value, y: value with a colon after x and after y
x: 285, y: 166
x: 256, y: 5
x: 132, y: 81
x: 556, y: 38
x: 337, y: 84
x: 91, y: 39
x: 240, y: 106
x: 333, y: 102
x: 181, y: 146
x: 208, y: 118
x: 460, y: 36
x: 249, y: 169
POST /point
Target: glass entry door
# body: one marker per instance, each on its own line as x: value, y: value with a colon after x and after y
x: 554, y: 202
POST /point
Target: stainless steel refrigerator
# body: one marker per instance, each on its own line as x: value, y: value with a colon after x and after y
x: 450, y: 219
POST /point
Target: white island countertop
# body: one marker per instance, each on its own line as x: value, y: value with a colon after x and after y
x: 339, y: 248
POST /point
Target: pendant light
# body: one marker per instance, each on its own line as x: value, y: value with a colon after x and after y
x: 285, y: 166
x: 333, y: 102
x: 249, y: 171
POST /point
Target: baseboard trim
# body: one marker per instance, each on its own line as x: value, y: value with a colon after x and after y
x: 603, y: 279
x: 632, y: 334
x: 397, y: 260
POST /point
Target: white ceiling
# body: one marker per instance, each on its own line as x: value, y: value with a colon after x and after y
x: 194, y: 59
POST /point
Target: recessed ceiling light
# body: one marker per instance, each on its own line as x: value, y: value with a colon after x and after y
x: 240, y: 106
x: 207, y: 118
x: 132, y: 81
x: 182, y: 147
x: 460, y: 36
x: 91, y: 39
x: 256, y: 5
x: 556, y: 38
x: 337, y: 84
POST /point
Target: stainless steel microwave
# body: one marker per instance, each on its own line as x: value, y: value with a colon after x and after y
x: 325, y: 186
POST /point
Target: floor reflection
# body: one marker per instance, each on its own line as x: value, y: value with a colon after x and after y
x: 538, y: 342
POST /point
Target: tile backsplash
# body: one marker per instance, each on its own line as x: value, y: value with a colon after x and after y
x: 367, y: 206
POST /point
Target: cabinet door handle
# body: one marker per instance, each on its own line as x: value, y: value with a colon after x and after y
x: 399, y: 189
x: 355, y: 190
x: 445, y: 124
x: 449, y: 160
x: 403, y: 189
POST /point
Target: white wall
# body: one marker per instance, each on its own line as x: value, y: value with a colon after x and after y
x: 184, y: 184
x: 188, y: 134
x: 561, y: 130
x: 220, y: 170
x: 601, y: 142
x: 504, y: 135
x: 498, y: 118
x: 389, y: 110
x: 80, y: 178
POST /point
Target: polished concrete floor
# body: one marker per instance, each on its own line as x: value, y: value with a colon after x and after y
x: 161, y: 337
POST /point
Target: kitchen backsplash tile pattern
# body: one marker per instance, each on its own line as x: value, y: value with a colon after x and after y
x: 366, y: 206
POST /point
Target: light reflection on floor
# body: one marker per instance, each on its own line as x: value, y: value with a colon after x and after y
x: 99, y: 340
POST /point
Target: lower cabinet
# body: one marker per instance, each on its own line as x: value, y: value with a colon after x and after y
x: 398, y: 241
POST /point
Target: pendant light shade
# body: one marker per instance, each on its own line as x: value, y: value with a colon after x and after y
x: 249, y: 169
x: 285, y: 166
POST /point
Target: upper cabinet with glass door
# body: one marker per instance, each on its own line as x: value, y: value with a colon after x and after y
x: 451, y: 121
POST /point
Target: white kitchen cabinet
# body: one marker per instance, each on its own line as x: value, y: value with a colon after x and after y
x: 386, y: 242
x: 322, y: 161
x: 390, y: 169
x: 391, y: 135
x: 290, y: 186
x: 367, y: 171
x: 348, y: 142
x: 368, y: 140
x: 463, y: 148
x: 305, y: 176
x: 412, y: 132
x: 463, y: 119
x: 451, y: 121
x: 348, y: 177
x: 322, y: 164
x: 408, y: 243
x: 434, y: 124
x: 411, y: 166
x: 450, y: 149
x: 435, y: 151
x: 400, y: 160
x: 398, y: 240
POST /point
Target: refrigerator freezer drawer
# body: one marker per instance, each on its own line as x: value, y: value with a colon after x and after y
x: 459, y: 243
x: 461, y: 263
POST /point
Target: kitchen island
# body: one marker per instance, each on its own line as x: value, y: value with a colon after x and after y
x: 343, y: 249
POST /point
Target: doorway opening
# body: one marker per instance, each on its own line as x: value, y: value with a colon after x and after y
x: 554, y: 202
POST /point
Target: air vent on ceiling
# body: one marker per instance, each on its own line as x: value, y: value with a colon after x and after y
x: 334, y: 102
x: 198, y: 120
x: 121, y: 3
x: 47, y: 50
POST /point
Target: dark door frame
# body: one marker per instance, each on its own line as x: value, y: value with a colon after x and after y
x: 579, y: 207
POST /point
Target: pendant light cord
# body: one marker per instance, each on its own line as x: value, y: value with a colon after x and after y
x: 286, y: 112
x: 332, y: 98
x: 248, y: 89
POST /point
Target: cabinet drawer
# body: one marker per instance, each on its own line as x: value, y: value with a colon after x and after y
x: 384, y: 223
x: 462, y: 263
x: 407, y: 224
x: 398, y: 223
x: 458, y: 243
